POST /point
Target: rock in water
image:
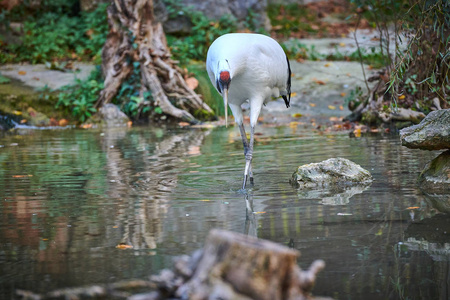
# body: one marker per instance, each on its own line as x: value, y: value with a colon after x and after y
x: 333, y: 171
x: 435, y: 178
x: 433, y: 133
x: 113, y: 116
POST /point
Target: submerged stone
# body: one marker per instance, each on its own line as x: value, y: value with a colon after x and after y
x: 112, y: 116
x: 433, y: 133
x: 333, y: 171
x: 435, y: 177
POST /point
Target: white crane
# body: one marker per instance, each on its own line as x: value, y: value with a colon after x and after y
x: 248, y: 67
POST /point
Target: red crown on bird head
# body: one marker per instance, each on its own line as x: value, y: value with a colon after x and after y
x: 225, y: 76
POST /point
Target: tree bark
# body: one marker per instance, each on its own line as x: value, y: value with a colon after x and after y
x: 135, y: 36
x: 235, y: 266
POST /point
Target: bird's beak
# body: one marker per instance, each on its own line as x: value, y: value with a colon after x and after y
x: 225, y: 104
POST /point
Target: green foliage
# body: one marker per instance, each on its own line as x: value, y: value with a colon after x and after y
x: 419, y: 61
x: 56, y: 36
x: 296, y: 50
x: 4, y: 79
x: 81, y: 97
x: 354, y: 98
x: 131, y: 100
x: 289, y: 18
x: 203, y: 33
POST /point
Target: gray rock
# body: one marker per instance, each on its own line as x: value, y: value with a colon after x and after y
x: 435, y: 178
x: 333, y: 171
x: 433, y: 133
x: 440, y: 202
x: 240, y: 10
x: 112, y: 116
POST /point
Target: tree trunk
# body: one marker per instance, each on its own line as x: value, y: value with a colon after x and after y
x: 235, y: 266
x: 135, y: 36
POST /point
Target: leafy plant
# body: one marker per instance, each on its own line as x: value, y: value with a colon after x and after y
x: 57, y: 36
x: 203, y: 33
x: 415, y: 42
x: 81, y: 97
x: 354, y: 97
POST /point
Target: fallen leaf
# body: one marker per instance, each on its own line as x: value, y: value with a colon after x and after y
x: 124, y: 246
x: 129, y: 124
x: 413, y: 207
x: 331, y: 107
x: 63, y: 122
x: 341, y: 107
x: 312, y: 104
x: 17, y: 113
x: 86, y: 126
x: 183, y: 124
x: 192, y: 83
x: 22, y: 176
x: 342, y: 44
x: 297, y: 115
x: 319, y: 82
x: 343, y: 94
x: 293, y: 94
x: 116, y: 226
x: 89, y: 33
x: 22, y: 73
x: 194, y: 150
x: 327, y: 65
x: 293, y: 124
x: 357, y: 132
x: 334, y: 119
x: 45, y: 239
x: 259, y: 212
x: 205, y: 200
x: 35, y: 78
x: 23, y: 121
x: 370, y: 67
x: 401, y: 97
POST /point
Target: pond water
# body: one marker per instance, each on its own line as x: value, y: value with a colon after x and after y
x: 69, y: 197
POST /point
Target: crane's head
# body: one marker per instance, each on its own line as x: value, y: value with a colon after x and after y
x: 223, y: 84
x: 223, y: 81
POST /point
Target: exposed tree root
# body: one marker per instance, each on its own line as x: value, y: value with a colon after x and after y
x: 135, y: 37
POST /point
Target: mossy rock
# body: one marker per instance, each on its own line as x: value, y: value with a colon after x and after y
x: 331, y: 172
x: 435, y: 178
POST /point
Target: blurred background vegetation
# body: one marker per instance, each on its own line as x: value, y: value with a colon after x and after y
x: 59, y: 33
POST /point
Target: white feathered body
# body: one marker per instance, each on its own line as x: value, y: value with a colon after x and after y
x: 258, y: 69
